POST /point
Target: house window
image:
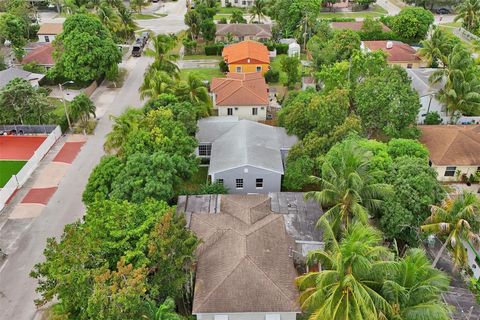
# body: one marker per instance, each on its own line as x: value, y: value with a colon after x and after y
x: 220, y: 181
x: 239, y: 183
x: 254, y: 111
x: 259, y: 183
x: 409, y: 66
x: 244, y: 2
x: 236, y: 1
x: 478, y: 169
x: 262, y: 108
x: 450, y: 171
x: 241, y: 38
x: 239, y: 69
x: 205, y: 150
x: 47, y: 39
x: 229, y: 111
x: 259, y: 68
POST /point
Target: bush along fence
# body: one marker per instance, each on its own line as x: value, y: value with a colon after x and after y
x: 18, y: 180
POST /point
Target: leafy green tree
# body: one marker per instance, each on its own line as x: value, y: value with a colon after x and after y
x: 34, y: 68
x: 412, y: 23
x: 166, y: 311
x: 12, y: 28
x: 347, y: 188
x: 193, y: 20
x: 99, y: 185
x: 155, y: 83
x: 371, y: 29
x: 347, y: 286
x: 456, y: 221
x: 195, y: 91
x: 407, y: 147
x: 125, y: 16
x: 433, y: 118
x: 85, y: 50
x: 390, y: 109
x: 344, y: 43
x: 468, y: 12
x: 237, y: 17
x: 82, y: 108
x: 208, y: 29
x: 437, y: 48
x: 297, y: 172
x: 124, y: 124
x: 137, y: 5
x: 290, y: 66
x: 258, y: 11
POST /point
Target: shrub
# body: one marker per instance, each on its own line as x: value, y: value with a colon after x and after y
x: 338, y: 19
x: 223, y: 21
x: 223, y: 66
x: 272, y: 76
x: 433, y: 118
x: 214, y: 49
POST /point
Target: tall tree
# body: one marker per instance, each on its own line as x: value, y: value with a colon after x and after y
x: 456, y: 221
x: 166, y: 311
x: 237, y: 17
x: 155, y: 83
x: 193, y: 20
x: 436, y: 49
x: 125, y: 16
x: 82, y: 108
x: 258, y: 11
x: 194, y: 91
x: 291, y: 65
x: 164, y: 60
x: 469, y: 12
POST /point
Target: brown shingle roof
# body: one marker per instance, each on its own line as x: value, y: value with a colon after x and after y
x: 243, y: 261
x: 400, y: 52
x: 41, y: 55
x: 245, y: 29
x: 457, y: 145
x: 354, y: 25
x: 246, y: 50
x: 240, y: 89
x: 50, y: 28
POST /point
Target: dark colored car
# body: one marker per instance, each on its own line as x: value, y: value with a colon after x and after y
x: 137, y: 50
x: 443, y: 11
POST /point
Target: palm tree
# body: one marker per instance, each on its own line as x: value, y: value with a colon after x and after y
x: 125, y: 15
x: 469, y: 12
x: 457, y: 219
x: 195, y: 91
x: 82, y: 108
x: 193, y: 20
x: 461, y: 90
x: 166, y: 311
x: 348, y: 188
x: 433, y: 49
x: 413, y: 288
x: 237, y: 16
x: 155, y: 83
x: 347, y: 287
x: 123, y: 125
x: 258, y: 10
x: 161, y: 52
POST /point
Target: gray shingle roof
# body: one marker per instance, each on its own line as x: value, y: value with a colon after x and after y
x: 246, y: 143
x: 9, y: 74
x: 244, y: 29
x: 210, y: 129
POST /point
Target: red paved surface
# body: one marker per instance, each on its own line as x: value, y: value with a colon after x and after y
x: 69, y: 152
x: 19, y: 147
x: 39, y: 195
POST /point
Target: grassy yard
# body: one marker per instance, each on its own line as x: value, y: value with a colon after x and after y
x: 143, y: 16
x: 8, y: 169
x: 198, y: 180
x: 203, y: 73
x: 374, y: 12
x: 227, y: 10
x: 202, y: 57
x: 450, y: 26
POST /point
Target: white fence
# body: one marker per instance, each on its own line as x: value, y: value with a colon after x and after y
x: 18, y: 180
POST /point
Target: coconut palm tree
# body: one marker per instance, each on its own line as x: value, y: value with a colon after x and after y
x: 166, y: 311
x: 82, y: 108
x: 461, y: 90
x: 347, y: 287
x: 347, y: 187
x: 155, y: 83
x: 125, y: 16
x: 161, y: 52
x: 258, y: 10
x: 123, y: 125
x: 457, y: 221
x: 469, y: 12
x: 433, y: 48
x: 237, y: 17
x: 413, y: 288
x: 195, y: 91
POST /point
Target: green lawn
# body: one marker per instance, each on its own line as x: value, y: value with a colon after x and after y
x: 374, y: 12
x: 199, y: 179
x: 202, y: 57
x: 143, y: 16
x: 203, y: 73
x: 8, y: 169
x: 227, y: 10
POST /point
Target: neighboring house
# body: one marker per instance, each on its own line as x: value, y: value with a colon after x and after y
x: 238, y: 3
x: 245, y: 156
x: 245, y: 263
x: 426, y: 92
x: 398, y: 53
x: 243, y: 31
x: 247, y: 56
x: 452, y: 148
x: 41, y: 55
x: 9, y: 74
x: 354, y: 26
x: 244, y: 95
x: 49, y: 31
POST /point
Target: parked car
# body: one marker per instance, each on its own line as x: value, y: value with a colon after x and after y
x: 137, y: 50
x: 139, y: 42
x: 443, y: 11
x: 145, y: 36
x: 154, y: 1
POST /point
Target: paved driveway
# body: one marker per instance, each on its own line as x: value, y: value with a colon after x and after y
x: 172, y: 23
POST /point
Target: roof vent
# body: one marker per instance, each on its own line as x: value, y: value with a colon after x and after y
x: 389, y: 44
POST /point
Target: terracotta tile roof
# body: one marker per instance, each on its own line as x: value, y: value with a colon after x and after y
x: 354, y: 25
x: 245, y: 29
x: 240, y: 89
x: 243, y: 261
x: 246, y: 50
x: 41, y: 55
x: 452, y: 144
x: 400, y: 52
x: 51, y: 28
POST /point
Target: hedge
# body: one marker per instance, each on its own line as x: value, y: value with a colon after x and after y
x: 214, y: 49
x: 272, y: 76
x: 282, y: 48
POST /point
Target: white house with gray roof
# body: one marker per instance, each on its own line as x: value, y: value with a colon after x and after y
x: 9, y: 74
x: 245, y: 156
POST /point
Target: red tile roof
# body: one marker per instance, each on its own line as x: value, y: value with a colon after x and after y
x: 355, y: 25
x: 399, y: 52
x: 240, y: 89
x: 41, y: 55
x: 246, y: 50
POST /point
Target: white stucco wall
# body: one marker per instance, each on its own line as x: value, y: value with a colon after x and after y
x: 244, y: 112
x: 247, y: 316
x: 238, y: 3
x: 464, y: 169
x: 42, y: 37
